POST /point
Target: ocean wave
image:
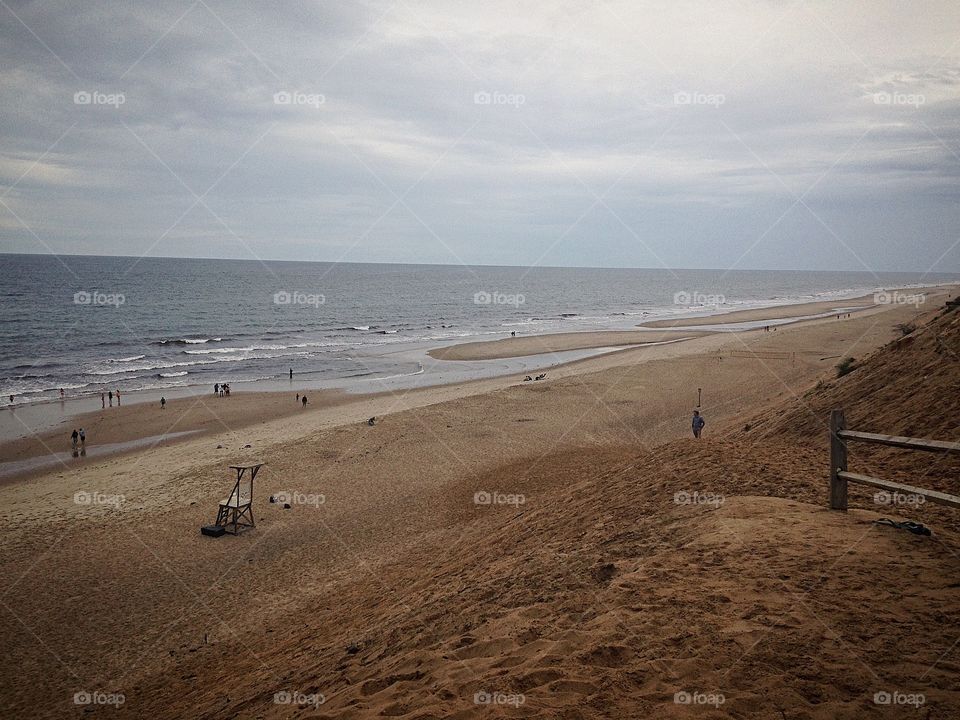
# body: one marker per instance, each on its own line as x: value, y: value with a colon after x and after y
x: 249, y: 348
x: 67, y: 386
x: 188, y: 341
x: 113, y: 380
x: 31, y: 376
x: 126, y: 359
x: 157, y: 386
x: 158, y: 366
x: 173, y: 374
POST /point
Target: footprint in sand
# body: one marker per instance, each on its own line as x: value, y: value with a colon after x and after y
x: 372, y: 687
x: 576, y: 687
x: 610, y: 656
x: 486, y: 649
x: 537, y: 678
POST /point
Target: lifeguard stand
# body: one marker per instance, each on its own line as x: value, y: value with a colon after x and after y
x: 236, y: 511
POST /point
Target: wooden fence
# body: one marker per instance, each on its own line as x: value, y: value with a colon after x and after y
x: 839, y: 477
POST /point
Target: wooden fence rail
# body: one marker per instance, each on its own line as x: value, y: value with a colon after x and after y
x: 840, y: 477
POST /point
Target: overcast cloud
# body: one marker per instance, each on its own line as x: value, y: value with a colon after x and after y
x: 752, y: 134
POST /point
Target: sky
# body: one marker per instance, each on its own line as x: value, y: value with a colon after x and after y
x: 705, y: 134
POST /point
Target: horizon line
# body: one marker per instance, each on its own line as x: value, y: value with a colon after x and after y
x: 474, y: 265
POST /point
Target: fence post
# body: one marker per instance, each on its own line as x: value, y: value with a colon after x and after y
x: 838, y: 461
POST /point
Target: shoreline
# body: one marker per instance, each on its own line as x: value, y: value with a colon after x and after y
x: 370, y: 358
x: 192, y: 416
x: 794, y: 311
x: 530, y: 345
x: 22, y: 421
x: 202, y: 415
x: 735, y: 321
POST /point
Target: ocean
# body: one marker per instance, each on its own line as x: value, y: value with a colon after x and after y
x: 92, y: 324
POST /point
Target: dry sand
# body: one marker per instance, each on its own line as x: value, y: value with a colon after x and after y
x: 387, y: 590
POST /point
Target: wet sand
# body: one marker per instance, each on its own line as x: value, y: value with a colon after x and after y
x: 122, y: 427
x: 526, y: 345
x: 800, y: 310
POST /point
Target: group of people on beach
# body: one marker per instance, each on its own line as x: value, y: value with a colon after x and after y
x: 221, y: 389
x: 104, y: 397
x: 79, y: 438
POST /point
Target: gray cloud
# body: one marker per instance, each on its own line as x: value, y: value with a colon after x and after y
x: 684, y: 134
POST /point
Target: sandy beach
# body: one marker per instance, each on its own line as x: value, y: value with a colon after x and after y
x: 500, y: 537
x: 558, y: 342
x: 797, y: 310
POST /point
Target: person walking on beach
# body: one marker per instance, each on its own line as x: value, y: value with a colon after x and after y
x: 61, y: 393
x: 83, y: 439
x: 698, y: 423
x: 291, y: 373
x: 73, y: 438
x: 103, y: 400
x: 110, y: 395
x: 163, y: 403
x: 118, y: 398
x: 304, y: 400
x: 216, y: 388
